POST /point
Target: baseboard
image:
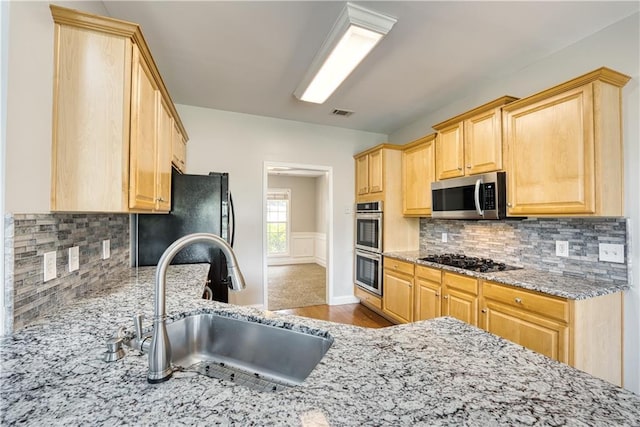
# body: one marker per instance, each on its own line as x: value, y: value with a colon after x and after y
x: 349, y: 299
x: 290, y: 260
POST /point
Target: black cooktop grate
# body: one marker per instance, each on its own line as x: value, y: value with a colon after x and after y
x: 484, y: 265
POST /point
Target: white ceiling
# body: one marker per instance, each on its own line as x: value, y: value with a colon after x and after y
x: 249, y: 57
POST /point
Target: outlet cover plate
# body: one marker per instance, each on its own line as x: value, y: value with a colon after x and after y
x: 74, y: 258
x: 562, y: 248
x: 106, y: 249
x: 444, y: 237
x: 50, y: 271
x: 609, y: 252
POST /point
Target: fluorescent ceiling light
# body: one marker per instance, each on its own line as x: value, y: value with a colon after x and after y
x: 356, y: 32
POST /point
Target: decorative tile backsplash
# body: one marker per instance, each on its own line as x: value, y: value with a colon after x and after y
x: 531, y: 243
x: 29, y: 236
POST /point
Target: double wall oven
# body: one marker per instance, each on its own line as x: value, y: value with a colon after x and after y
x: 368, y: 247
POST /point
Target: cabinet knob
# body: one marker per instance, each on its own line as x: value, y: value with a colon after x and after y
x: 484, y: 310
x: 160, y: 199
x: 437, y: 294
x: 468, y: 166
x: 446, y: 297
x: 459, y: 169
x: 508, y: 205
x: 518, y: 300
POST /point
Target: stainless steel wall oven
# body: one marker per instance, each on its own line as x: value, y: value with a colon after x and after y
x: 368, y: 246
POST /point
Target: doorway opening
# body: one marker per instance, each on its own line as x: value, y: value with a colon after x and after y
x: 297, y: 235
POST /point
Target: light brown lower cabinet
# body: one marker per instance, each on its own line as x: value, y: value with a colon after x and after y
x: 460, y: 297
x: 397, y: 294
x: 586, y: 334
x: 428, y: 293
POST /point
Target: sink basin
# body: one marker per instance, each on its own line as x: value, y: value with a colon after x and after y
x: 255, y: 354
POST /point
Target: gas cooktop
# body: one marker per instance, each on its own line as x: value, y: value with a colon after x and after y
x: 484, y: 265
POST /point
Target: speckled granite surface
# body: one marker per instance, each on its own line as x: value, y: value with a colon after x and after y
x: 527, y: 278
x: 437, y: 372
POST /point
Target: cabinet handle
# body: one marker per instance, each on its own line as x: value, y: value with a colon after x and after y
x: 508, y: 205
x: 468, y: 166
x: 446, y: 297
x: 518, y: 300
x: 484, y: 310
x: 437, y: 294
x: 160, y: 199
x: 459, y: 169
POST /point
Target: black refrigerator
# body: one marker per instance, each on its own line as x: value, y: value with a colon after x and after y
x: 199, y: 204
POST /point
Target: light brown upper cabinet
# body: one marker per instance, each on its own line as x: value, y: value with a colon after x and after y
x: 377, y: 168
x: 471, y: 143
x: 179, y: 150
x: 418, y: 172
x: 563, y: 149
x: 112, y: 118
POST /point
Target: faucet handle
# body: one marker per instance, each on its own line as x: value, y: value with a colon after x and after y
x: 137, y: 325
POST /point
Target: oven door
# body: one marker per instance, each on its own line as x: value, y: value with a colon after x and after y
x: 369, y: 231
x: 368, y: 271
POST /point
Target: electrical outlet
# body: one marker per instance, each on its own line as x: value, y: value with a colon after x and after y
x: 444, y: 237
x: 106, y: 249
x: 611, y: 253
x: 50, y: 271
x: 74, y: 258
x: 348, y: 210
x: 562, y: 248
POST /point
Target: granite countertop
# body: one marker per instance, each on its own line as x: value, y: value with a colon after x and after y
x: 527, y: 278
x: 435, y: 372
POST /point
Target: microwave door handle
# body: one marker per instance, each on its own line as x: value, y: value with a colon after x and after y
x: 476, y: 197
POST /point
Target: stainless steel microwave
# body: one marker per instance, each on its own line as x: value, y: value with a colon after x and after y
x: 472, y: 197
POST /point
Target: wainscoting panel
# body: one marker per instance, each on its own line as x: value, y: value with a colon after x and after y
x: 305, y: 248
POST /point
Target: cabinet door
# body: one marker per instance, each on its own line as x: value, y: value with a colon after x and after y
x: 179, y: 150
x: 144, y: 104
x: 550, y: 155
x: 483, y: 142
x: 450, y: 152
x: 376, y: 172
x: 397, y: 300
x: 418, y: 172
x: 534, y: 332
x: 461, y: 305
x: 362, y: 175
x: 164, y: 149
x: 427, y: 300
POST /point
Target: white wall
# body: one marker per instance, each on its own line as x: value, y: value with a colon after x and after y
x: 616, y: 47
x: 29, y: 103
x: 303, y: 200
x: 240, y: 144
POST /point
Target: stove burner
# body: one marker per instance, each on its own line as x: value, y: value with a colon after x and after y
x: 484, y: 265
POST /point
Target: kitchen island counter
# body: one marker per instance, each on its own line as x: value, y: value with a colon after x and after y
x: 436, y: 372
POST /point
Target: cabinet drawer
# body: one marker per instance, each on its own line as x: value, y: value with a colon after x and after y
x: 370, y: 299
x: 399, y: 266
x: 428, y: 273
x: 555, y: 308
x: 462, y: 283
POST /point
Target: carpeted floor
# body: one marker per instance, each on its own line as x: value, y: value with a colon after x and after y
x: 298, y: 285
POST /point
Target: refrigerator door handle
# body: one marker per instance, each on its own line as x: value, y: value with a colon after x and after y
x: 232, y: 217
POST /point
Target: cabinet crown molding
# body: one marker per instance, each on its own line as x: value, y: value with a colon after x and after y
x: 419, y: 141
x: 604, y: 74
x: 378, y: 147
x: 499, y: 102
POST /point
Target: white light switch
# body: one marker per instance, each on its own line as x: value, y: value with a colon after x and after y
x: 611, y: 253
x: 106, y: 249
x: 562, y: 248
x: 74, y: 258
x: 444, y: 237
x: 50, y: 271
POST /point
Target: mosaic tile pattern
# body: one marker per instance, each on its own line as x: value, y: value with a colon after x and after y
x: 530, y: 243
x: 29, y: 236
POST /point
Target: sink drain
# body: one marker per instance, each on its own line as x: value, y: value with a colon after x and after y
x: 252, y: 380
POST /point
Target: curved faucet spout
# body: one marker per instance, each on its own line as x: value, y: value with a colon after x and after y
x: 160, y: 350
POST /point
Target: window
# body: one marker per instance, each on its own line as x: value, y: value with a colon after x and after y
x: 278, y: 221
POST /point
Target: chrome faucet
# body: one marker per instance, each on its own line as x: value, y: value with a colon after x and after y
x: 160, y: 349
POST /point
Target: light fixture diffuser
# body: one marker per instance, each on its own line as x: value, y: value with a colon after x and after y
x: 356, y: 32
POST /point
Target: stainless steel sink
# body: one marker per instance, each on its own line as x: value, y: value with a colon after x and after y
x: 258, y: 355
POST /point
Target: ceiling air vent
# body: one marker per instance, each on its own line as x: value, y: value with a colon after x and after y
x: 343, y: 113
